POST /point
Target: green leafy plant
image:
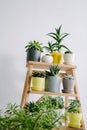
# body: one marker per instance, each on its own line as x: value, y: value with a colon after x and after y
x: 74, y: 106
x: 34, y: 45
x: 38, y: 74
x: 50, y: 102
x: 18, y: 118
x: 58, y: 37
x: 53, y: 70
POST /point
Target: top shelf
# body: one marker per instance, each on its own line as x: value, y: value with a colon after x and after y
x: 43, y: 65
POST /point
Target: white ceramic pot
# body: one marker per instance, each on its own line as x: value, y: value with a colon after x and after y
x: 69, y: 58
x: 47, y: 58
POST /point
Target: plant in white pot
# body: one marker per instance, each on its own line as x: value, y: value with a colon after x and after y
x: 38, y: 81
x: 69, y: 57
x: 52, y: 80
x: 68, y: 82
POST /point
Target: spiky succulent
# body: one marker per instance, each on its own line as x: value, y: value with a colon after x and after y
x: 38, y: 74
x: 53, y: 70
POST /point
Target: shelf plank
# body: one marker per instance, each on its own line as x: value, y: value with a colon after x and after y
x: 52, y: 93
x: 43, y: 65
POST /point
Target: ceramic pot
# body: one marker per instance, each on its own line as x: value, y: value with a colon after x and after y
x: 33, y: 55
x: 75, y: 120
x: 47, y: 58
x: 38, y: 83
x: 57, y: 57
x: 68, y: 85
x: 69, y: 58
x: 52, y: 83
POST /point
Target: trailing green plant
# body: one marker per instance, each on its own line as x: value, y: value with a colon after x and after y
x: 17, y: 118
x: 58, y: 37
x: 34, y: 45
x: 50, y: 102
x: 38, y: 74
x: 74, y: 106
x: 68, y: 76
x: 53, y: 70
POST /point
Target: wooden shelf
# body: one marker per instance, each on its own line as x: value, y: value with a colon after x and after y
x: 53, y: 93
x: 43, y: 65
x: 65, y: 69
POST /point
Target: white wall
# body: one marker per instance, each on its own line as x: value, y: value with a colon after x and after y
x: 25, y: 20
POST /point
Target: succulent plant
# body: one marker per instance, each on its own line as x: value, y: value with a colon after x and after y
x: 34, y: 45
x: 53, y: 70
x: 68, y: 77
x: 38, y: 74
x: 58, y: 37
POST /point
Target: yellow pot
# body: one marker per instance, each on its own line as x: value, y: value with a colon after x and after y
x: 57, y: 57
x: 38, y: 83
x: 75, y: 120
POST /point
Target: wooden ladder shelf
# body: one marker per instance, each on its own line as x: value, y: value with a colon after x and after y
x: 69, y: 69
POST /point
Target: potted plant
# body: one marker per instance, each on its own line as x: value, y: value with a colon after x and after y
x: 38, y: 81
x: 69, y: 57
x: 68, y: 82
x: 18, y: 118
x: 52, y: 80
x: 34, y: 49
x: 75, y: 114
x: 57, y: 45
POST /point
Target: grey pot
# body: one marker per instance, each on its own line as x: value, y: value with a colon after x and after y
x: 68, y: 85
x: 52, y: 83
x: 33, y: 55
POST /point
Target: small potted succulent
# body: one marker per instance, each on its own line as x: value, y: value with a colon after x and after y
x: 55, y: 48
x: 68, y: 82
x: 38, y: 81
x: 69, y: 57
x: 34, y: 49
x: 75, y: 114
x: 52, y: 81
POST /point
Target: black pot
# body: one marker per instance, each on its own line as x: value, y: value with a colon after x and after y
x: 33, y: 55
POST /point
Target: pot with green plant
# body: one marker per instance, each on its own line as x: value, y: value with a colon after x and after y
x: 69, y: 57
x: 68, y: 82
x: 57, y: 45
x: 33, y: 49
x: 52, y: 80
x: 75, y: 114
x: 38, y: 81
